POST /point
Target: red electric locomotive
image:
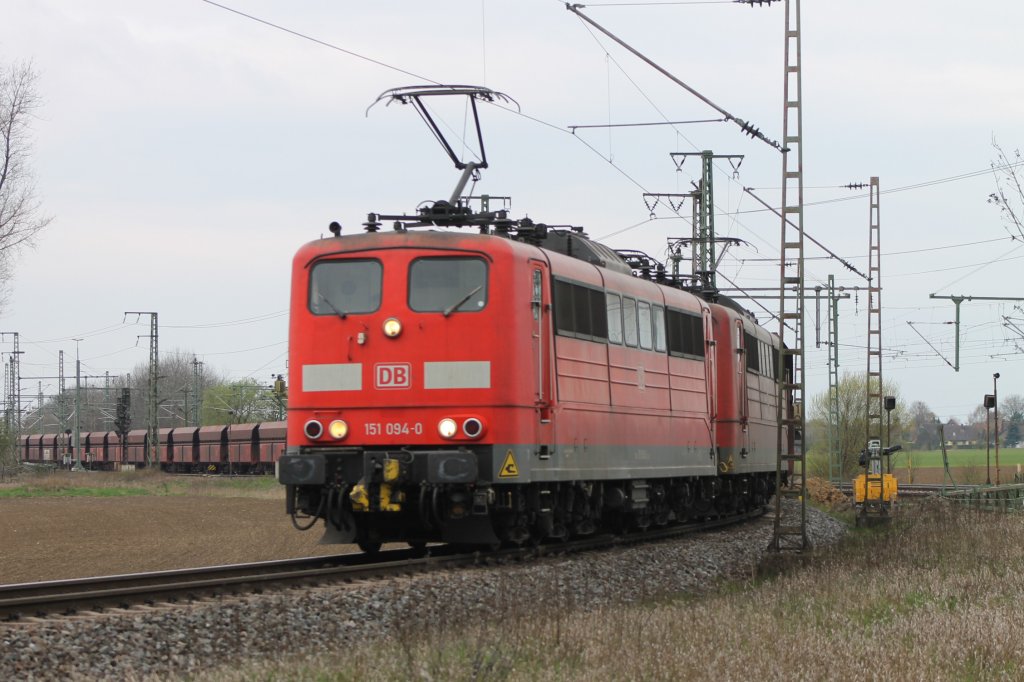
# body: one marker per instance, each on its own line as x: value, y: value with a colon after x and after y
x: 516, y: 384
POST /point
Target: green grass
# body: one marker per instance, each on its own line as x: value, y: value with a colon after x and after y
x: 959, y: 458
x: 248, y: 483
x: 71, y: 491
x: 111, y: 484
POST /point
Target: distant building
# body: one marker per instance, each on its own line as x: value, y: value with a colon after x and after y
x: 963, y: 436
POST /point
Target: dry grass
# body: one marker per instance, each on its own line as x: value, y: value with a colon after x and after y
x: 935, y: 597
x: 825, y: 495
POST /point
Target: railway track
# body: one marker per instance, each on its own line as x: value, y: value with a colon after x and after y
x: 91, y: 595
x: 915, y: 489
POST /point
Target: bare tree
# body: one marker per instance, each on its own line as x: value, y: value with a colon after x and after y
x: 20, y: 217
x: 177, y: 389
x: 922, y: 429
x: 1009, y: 194
x: 1011, y: 404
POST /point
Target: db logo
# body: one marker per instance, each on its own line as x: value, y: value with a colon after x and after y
x: 392, y: 376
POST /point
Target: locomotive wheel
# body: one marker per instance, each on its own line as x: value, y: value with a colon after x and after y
x: 702, y: 507
x: 641, y: 521
x: 369, y: 547
x: 419, y: 548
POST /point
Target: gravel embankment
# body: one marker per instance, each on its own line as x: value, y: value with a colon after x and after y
x: 167, y: 641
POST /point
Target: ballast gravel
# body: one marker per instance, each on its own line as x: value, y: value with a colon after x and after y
x: 181, y: 640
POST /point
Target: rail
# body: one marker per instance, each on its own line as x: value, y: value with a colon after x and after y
x: 911, y: 489
x: 1004, y: 498
x: 69, y: 597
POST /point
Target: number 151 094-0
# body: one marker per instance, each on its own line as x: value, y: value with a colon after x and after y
x: 393, y: 429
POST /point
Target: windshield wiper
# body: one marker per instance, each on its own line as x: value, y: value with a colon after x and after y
x: 330, y: 305
x: 450, y: 309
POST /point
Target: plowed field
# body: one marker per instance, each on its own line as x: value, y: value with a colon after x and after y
x: 49, y: 538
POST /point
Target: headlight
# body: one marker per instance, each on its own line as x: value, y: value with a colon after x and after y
x: 392, y: 327
x: 447, y: 427
x: 313, y: 429
x: 338, y: 429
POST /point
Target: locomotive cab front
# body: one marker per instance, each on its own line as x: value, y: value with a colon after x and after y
x: 404, y: 400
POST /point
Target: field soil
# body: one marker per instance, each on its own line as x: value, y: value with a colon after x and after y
x: 57, y: 537
x: 50, y: 538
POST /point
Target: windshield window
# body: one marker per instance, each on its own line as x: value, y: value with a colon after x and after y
x: 345, y: 287
x: 447, y: 285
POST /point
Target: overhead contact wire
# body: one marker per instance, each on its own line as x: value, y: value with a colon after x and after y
x: 319, y: 42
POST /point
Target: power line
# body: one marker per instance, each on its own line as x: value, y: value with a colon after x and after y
x: 608, y: 160
x: 679, y: 133
x: 231, y: 323
x: 243, y: 350
x: 83, y: 335
x: 958, y: 267
x: 338, y: 48
x: 889, y: 254
x: 746, y: 127
x: 667, y: 2
x: 574, y: 128
x: 905, y: 188
x: 377, y: 62
x: 319, y: 42
x: 1000, y: 259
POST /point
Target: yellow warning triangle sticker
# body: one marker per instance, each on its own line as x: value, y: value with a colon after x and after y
x: 509, y: 468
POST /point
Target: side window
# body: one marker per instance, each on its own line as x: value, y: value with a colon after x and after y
x: 696, y: 335
x: 770, y: 362
x: 580, y: 311
x: 598, y: 314
x: 613, y: 306
x: 644, y: 318
x: 535, y: 294
x: 564, y: 318
x: 659, y: 329
x: 753, y: 359
x: 685, y: 334
x: 629, y: 321
x: 674, y: 322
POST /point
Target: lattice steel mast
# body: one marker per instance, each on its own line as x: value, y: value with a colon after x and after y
x: 7, y: 395
x: 835, y: 463
x: 790, y: 527
x: 197, y: 383
x: 705, y: 257
x: 14, y: 402
x: 874, y: 376
x: 152, y: 457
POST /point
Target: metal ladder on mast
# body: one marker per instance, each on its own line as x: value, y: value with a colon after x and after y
x: 790, y: 527
x: 874, y: 368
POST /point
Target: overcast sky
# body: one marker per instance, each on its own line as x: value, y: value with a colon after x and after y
x: 186, y: 152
